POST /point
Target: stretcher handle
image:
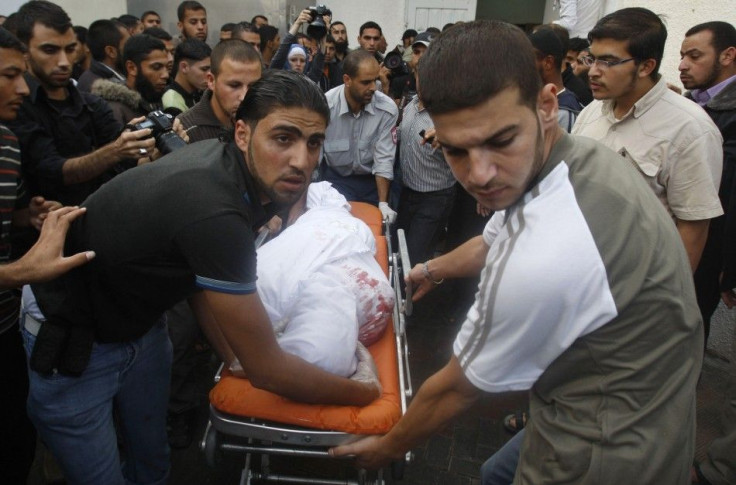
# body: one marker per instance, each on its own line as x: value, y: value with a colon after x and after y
x: 405, y: 264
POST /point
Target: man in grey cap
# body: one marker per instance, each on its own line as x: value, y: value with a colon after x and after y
x: 402, y: 86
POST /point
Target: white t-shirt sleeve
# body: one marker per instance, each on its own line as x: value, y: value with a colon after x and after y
x: 544, y: 285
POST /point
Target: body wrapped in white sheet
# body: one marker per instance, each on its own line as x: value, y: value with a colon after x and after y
x: 322, y: 287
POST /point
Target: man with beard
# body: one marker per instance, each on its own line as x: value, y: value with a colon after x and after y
x: 157, y: 241
x: 672, y: 142
x: 145, y: 60
x: 105, y: 40
x: 576, y: 303
x: 708, y: 70
x: 235, y: 64
x: 192, y: 20
x: 69, y: 140
x: 340, y: 34
x: 360, y: 146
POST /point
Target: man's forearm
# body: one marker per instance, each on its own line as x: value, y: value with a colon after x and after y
x: 442, y: 397
x: 245, y: 325
x: 464, y: 261
x: 694, y: 235
x: 87, y: 167
x: 383, y: 185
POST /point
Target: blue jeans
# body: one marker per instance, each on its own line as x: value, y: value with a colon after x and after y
x: 74, y: 415
x: 500, y: 468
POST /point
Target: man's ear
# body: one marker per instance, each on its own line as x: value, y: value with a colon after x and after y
x: 547, y: 106
x: 183, y: 67
x: 242, y: 136
x: 180, y: 26
x: 130, y: 68
x: 111, y: 52
x: 210, y: 81
x: 346, y: 79
x: 646, y: 68
x: 727, y: 56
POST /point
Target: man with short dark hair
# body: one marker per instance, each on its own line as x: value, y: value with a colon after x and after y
x: 192, y: 61
x: 259, y: 21
x: 165, y: 37
x: 83, y: 58
x: 105, y: 39
x: 192, y: 20
x: 360, y: 145
x: 270, y: 40
x: 196, y: 244
x: 550, y: 55
x: 226, y: 31
x: 70, y: 140
x: 611, y: 363
x: 132, y: 23
x: 146, y: 80
x: 247, y: 32
x: 369, y: 38
x: 340, y: 34
x: 234, y: 65
x: 675, y: 146
x: 150, y: 19
x: 332, y: 71
x: 708, y: 70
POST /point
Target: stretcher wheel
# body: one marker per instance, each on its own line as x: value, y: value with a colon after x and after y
x: 397, y: 469
x: 212, y: 452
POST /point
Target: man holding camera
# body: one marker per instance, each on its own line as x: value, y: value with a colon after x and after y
x: 69, y: 140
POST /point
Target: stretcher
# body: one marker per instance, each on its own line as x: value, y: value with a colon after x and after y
x: 259, y: 424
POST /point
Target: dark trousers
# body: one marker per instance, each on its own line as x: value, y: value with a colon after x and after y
x: 424, y: 215
x: 18, y: 434
x: 707, y: 284
x: 356, y: 188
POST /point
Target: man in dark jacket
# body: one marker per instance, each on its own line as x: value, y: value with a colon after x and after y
x: 708, y: 70
x: 105, y: 40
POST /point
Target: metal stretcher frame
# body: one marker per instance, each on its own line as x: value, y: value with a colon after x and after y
x: 255, y: 437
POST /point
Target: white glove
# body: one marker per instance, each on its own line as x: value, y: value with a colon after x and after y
x: 366, y: 370
x: 387, y: 212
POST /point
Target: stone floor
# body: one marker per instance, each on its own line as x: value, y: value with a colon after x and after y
x: 454, y: 455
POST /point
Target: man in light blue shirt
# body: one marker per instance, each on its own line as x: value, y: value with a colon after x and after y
x: 360, y: 142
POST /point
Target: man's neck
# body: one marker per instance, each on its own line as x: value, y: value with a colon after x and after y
x: 355, y: 106
x: 182, y: 81
x: 724, y: 74
x: 222, y: 117
x: 53, y: 92
x: 623, y: 104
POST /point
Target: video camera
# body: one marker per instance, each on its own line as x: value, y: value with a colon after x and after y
x: 161, y: 125
x: 395, y: 63
x: 317, y: 28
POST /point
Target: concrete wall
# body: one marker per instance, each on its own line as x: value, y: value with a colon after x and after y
x: 678, y: 16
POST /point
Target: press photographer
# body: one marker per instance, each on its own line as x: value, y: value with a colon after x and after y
x: 293, y: 56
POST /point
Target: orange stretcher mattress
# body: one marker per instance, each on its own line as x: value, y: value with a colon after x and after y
x: 236, y: 396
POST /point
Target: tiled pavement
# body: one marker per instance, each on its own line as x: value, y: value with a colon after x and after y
x: 454, y: 455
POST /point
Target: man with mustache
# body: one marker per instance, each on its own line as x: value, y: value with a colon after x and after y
x: 675, y: 146
x: 708, y: 70
x: 575, y: 302
x: 182, y: 227
x: 146, y: 78
x: 70, y: 141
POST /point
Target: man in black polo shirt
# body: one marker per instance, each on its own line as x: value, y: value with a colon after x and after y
x: 178, y: 228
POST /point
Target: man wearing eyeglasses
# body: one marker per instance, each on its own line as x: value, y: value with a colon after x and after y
x: 674, y: 144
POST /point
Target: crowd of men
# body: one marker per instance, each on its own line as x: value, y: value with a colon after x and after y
x: 594, y: 187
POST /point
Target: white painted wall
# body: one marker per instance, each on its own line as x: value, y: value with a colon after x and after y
x: 678, y: 16
x: 389, y: 14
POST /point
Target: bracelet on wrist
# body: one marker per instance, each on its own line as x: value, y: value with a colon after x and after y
x: 428, y: 275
